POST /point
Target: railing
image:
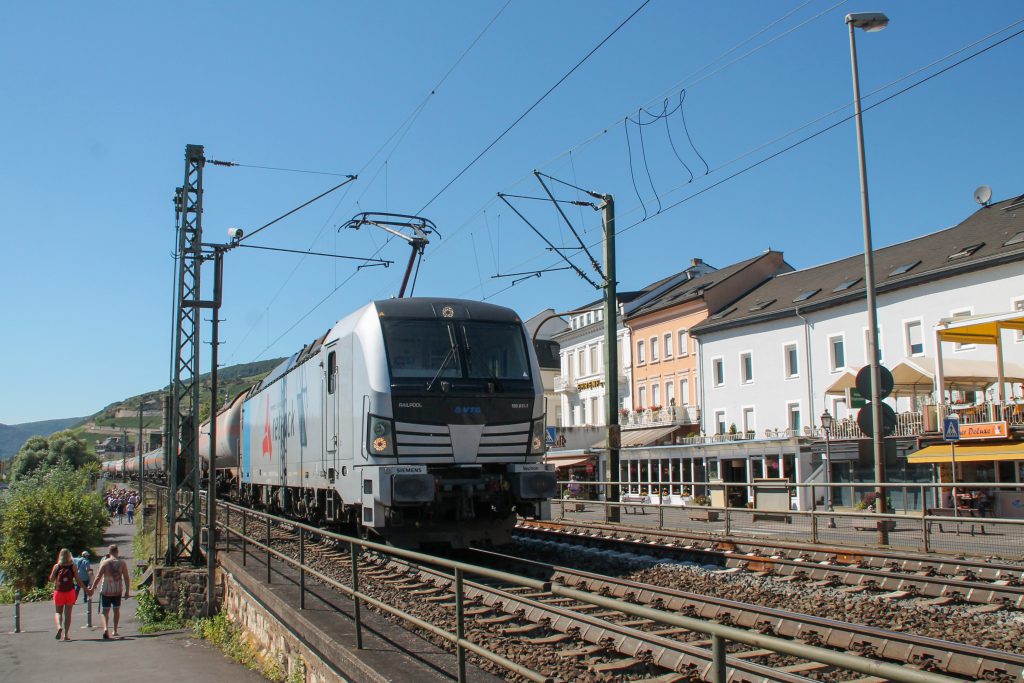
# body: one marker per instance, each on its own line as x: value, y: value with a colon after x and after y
x: 989, y: 411
x: 719, y: 634
x: 919, y: 515
x: 663, y: 417
x: 563, y: 383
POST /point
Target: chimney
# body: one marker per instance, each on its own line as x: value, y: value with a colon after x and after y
x: 696, y: 262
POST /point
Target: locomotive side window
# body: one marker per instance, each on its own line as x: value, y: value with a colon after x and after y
x: 332, y: 372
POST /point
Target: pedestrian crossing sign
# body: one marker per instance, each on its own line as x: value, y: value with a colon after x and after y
x: 951, y: 429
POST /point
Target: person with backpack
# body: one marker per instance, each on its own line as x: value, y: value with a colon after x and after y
x: 84, y: 566
x: 113, y: 579
x: 65, y: 577
x: 129, y: 510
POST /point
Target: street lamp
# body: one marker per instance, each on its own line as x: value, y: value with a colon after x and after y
x: 826, y: 425
x: 870, y: 22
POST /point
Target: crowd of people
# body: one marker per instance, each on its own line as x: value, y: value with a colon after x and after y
x: 122, y: 503
x: 72, y: 577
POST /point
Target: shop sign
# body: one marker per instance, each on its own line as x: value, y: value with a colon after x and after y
x: 592, y: 384
x: 983, y: 430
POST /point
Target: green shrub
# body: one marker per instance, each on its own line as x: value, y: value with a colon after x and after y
x: 42, y: 513
x: 154, y: 617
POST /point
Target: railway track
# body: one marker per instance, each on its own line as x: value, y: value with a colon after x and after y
x: 578, y: 641
x: 937, y: 580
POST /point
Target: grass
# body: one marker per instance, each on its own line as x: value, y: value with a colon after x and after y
x: 34, y: 595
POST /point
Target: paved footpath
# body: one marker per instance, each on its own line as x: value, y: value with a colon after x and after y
x: 33, y: 656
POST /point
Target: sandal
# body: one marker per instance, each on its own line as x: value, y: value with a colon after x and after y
x: 60, y: 632
x: 106, y: 636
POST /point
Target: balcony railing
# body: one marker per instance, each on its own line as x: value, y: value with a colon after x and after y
x: 564, y: 384
x: 989, y: 411
x: 663, y: 417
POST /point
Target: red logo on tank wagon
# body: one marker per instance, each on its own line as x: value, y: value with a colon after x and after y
x: 268, y: 442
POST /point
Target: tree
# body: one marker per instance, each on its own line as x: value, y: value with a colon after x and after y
x: 42, y: 513
x: 61, y: 449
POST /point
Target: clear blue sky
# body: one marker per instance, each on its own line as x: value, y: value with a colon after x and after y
x: 99, y: 100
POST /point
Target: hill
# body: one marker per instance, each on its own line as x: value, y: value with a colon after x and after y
x: 111, y: 419
x: 13, y: 436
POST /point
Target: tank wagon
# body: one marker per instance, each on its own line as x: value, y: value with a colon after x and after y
x: 416, y: 420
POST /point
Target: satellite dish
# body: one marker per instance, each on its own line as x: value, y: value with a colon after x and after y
x: 983, y: 195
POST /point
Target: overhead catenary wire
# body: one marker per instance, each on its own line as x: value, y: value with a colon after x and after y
x: 824, y: 130
x: 533, y: 106
x: 348, y: 179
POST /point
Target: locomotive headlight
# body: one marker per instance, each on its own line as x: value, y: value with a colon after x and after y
x: 379, y: 436
x: 537, y: 438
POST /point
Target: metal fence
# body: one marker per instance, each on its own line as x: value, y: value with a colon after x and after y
x: 919, y: 520
x: 249, y: 532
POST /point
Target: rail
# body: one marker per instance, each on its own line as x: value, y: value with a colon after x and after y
x: 926, y: 515
x: 719, y: 634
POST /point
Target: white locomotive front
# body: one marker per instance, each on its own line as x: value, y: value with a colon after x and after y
x: 419, y: 419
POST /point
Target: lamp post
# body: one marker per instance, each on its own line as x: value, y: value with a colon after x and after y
x: 870, y: 22
x: 826, y: 425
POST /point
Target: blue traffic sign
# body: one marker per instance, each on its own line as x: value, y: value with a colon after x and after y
x: 549, y: 439
x: 951, y: 429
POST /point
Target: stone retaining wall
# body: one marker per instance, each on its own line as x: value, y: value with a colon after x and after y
x: 272, y: 638
x: 172, y: 585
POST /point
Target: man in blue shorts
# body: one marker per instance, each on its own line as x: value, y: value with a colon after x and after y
x: 113, y: 578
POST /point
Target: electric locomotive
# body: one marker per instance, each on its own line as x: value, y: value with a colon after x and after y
x: 418, y: 420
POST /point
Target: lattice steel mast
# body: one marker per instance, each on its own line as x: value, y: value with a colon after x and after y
x: 182, y: 452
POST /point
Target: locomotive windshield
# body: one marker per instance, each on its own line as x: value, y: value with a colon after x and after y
x: 434, y: 349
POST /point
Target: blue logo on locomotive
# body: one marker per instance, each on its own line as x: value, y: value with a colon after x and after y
x: 467, y: 410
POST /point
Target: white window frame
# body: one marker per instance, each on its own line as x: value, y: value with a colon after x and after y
x: 579, y: 363
x: 786, y: 369
x: 1017, y: 304
x: 789, y: 416
x: 743, y: 378
x: 907, y: 345
x: 670, y: 393
x: 881, y: 346
x: 720, y: 361
x: 641, y: 397
x: 641, y: 352
x: 833, y: 367
x: 654, y: 350
x: 684, y: 391
x: 744, y: 410
x: 969, y: 310
x: 595, y: 359
x: 683, y: 337
x: 721, y: 426
x: 656, y: 394
x: 667, y: 338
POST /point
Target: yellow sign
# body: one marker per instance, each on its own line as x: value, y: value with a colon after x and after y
x: 984, y: 430
x: 592, y: 384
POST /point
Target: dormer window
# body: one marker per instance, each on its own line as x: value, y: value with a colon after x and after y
x: 805, y: 295
x: 966, y: 251
x: 846, y: 284
x: 905, y: 268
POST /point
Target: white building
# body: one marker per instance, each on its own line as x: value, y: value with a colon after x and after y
x: 778, y: 357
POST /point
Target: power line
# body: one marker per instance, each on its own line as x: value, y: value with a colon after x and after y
x: 533, y: 106
x: 348, y: 179
x: 215, y: 162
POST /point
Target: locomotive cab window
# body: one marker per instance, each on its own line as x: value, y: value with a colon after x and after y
x: 430, y: 350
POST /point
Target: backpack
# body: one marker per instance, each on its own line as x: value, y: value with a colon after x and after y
x: 65, y: 580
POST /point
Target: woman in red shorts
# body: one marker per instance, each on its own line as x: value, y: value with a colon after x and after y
x: 64, y: 576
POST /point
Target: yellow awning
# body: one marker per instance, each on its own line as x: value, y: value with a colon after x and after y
x: 979, y: 329
x: 975, y: 452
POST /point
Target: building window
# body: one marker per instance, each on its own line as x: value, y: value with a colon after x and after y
x: 593, y: 412
x: 962, y: 313
x: 641, y: 396
x: 747, y: 367
x: 915, y: 338
x: 836, y: 353
x: 668, y: 345
x: 867, y: 346
x: 748, y: 419
x: 654, y: 349
x: 655, y: 394
x: 684, y: 391
x: 684, y: 343
x: 718, y: 371
x: 720, y: 427
x: 793, y: 411
x: 792, y: 360
x: 1018, y: 305
x: 670, y: 393
x: 579, y: 363
x: 641, y: 357
x: 594, y: 367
